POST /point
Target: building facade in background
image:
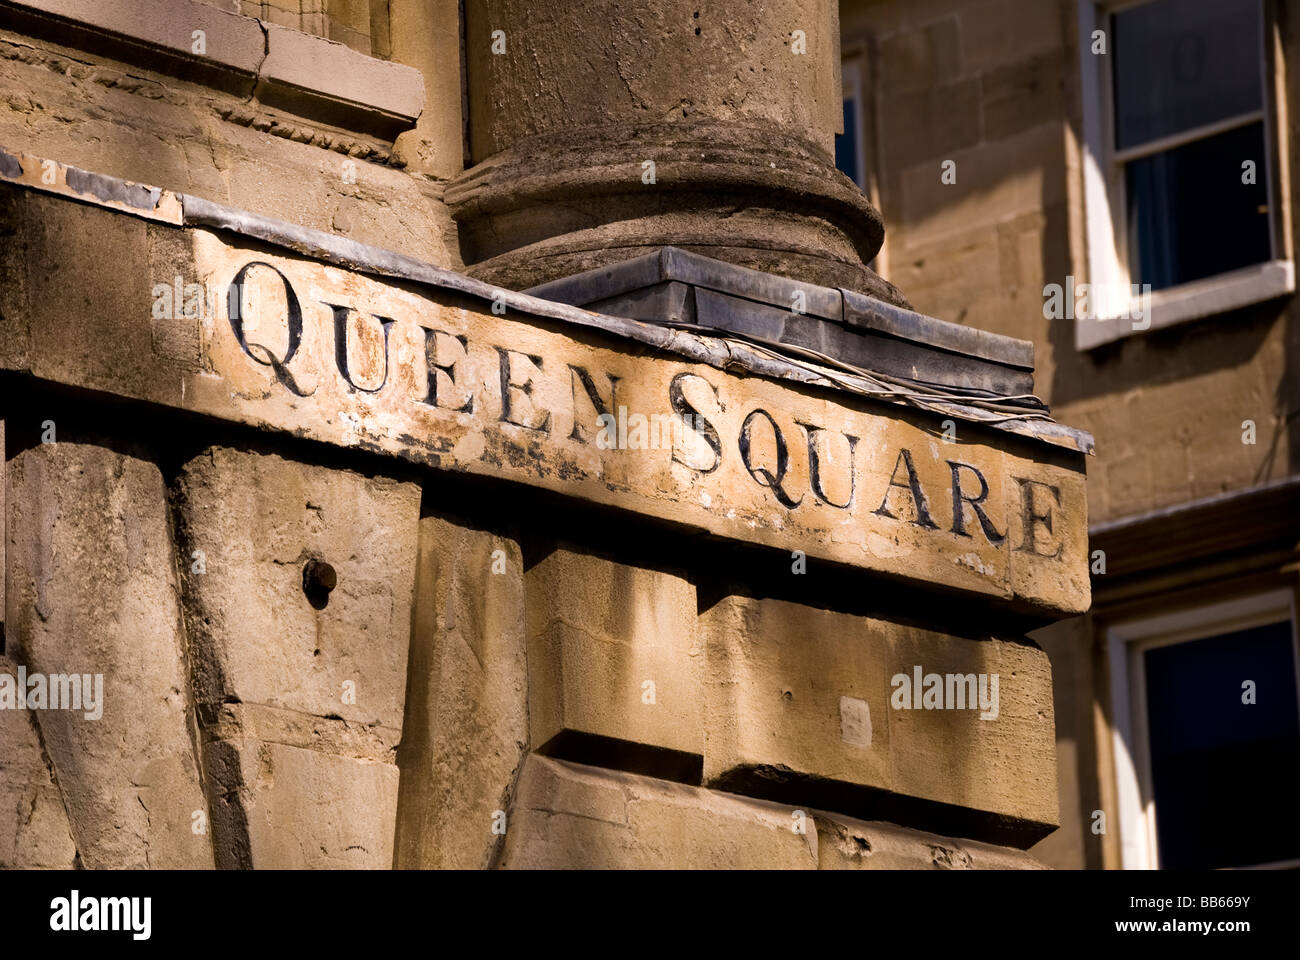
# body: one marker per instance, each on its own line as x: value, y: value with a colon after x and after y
x: 1118, y: 191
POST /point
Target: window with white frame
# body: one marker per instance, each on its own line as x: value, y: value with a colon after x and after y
x: 1180, y: 165
x: 1206, y: 735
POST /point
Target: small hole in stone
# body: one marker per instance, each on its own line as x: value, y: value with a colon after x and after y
x: 697, y: 31
x: 318, y: 579
x: 788, y: 695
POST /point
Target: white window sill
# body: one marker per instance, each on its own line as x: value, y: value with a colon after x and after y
x: 1189, y: 301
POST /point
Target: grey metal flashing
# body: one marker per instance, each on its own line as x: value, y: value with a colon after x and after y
x: 721, y: 352
x: 114, y: 190
x: 861, y: 310
x: 847, y: 307
x: 10, y: 166
x: 847, y: 325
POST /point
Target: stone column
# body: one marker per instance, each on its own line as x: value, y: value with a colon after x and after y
x: 600, y: 130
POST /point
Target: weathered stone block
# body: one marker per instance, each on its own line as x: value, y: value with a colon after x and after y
x: 34, y: 831
x: 613, y: 653
x: 1005, y: 764
x: 320, y: 676
x: 796, y: 690
x: 233, y: 43
x: 292, y: 790
x: 847, y: 844
x: 364, y: 90
x: 301, y: 688
x: 790, y: 690
x: 251, y: 522
x: 306, y: 809
x: 921, y: 57
x: 573, y: 816
x: 931, y: 124
x: 465, y: 733
x: 94, y: 592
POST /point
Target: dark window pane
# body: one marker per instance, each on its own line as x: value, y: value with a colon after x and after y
x: 1180, y: 64
x: 846, y: 143
x: 1226, y: 774
x: 1189, y: 214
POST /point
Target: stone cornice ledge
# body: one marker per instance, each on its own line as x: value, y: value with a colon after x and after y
x: 308, y: 76
x: 153, y: 203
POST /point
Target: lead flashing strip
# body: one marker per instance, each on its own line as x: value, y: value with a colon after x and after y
x: 847, y: 308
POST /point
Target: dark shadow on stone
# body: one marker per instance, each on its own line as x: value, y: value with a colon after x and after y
x: 611, y: 753
x: 786, y: 786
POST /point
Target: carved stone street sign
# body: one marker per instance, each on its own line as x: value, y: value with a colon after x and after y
x: 278, y: 340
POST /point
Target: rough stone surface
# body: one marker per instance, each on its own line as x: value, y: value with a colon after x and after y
x: 34, y: 831
x: 258, y: 637
x: 303, y: 772
x: 778, y: 676
x: 613, y: 652
x: 428, y: 36
x: 465, y: 733
x: 669, y: 58
x: 93, y: 589
x: 847, y: 844
x: 136, y: 122
x: 292, y: 790
x: 777, y: 721
x: 571, y: 816
x: 1007, y: 765
x: 387, y: 95
x: 308, y: 809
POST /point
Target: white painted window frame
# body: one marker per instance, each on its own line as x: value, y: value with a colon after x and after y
x: 1115, y: 312
x: 1126, y: 644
